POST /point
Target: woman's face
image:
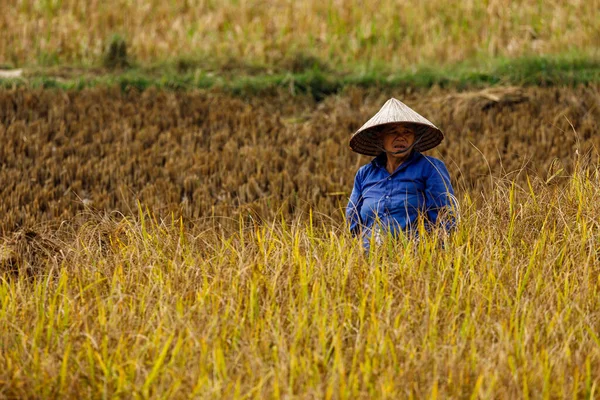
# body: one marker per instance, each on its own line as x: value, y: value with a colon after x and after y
x: 397, y: 139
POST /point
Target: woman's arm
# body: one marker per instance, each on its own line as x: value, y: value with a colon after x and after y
x: 439, y: 196
x: 354, y: 205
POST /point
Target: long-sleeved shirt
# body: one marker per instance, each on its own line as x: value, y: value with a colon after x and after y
x: 393, y: 202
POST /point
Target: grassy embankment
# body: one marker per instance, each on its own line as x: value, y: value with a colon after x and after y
x: 537, y: 71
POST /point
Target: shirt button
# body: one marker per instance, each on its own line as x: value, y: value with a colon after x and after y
x: 387, y: 197
x: 389, y: 178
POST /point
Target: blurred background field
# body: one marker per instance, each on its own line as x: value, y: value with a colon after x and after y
x: 314, y: 46
x: 283, y: 34
x: 173, y: 177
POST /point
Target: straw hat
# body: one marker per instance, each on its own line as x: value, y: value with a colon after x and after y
x: 394, y: 112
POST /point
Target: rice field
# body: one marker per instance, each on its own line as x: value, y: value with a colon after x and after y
x: 164, y: 244
x: 204, y: 154
x: 286, y: 35
x: 161, y: 241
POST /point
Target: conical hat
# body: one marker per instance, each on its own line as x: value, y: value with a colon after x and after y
x: 394, y: 112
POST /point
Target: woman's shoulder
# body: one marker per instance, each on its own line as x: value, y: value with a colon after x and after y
x: 368, y: 170
x: 429, y: 161
x: 372, y: 165
x: 364, y: 170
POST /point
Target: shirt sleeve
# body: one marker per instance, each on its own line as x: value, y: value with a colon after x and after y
x: 355, y: 204
x: 439, y: 196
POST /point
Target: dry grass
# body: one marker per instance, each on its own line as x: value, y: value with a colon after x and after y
x: 258, y: 290
x: 204, y: 154
x: 144, y: 307
x: 291, y: 35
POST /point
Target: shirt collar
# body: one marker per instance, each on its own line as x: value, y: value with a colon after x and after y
x: 381, y: 160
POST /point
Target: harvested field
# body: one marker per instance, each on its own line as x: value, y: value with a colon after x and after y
x: 205, y: 154
x: 191, y: 244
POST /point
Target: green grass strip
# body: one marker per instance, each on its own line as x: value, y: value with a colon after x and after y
x: 315, y: 81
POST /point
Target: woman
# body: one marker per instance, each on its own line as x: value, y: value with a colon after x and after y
x: 399, y: 185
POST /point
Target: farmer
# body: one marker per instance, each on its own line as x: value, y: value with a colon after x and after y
x: 400, y: 185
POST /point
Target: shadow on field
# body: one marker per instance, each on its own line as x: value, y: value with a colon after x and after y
x: 29, y: 252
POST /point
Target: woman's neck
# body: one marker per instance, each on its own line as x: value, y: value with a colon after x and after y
x: 394, y: 161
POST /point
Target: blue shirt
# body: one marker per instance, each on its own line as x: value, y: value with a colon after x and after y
x: 420, y: 186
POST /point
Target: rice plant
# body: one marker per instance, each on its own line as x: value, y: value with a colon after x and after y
x: 145, y: 306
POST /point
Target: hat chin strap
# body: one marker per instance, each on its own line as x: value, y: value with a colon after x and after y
x: 409, y: 148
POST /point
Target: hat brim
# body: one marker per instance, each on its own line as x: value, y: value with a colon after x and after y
x: 367, y: 141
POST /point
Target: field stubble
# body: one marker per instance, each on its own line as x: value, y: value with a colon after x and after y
x: 252, y: 293
x: 206, y: 154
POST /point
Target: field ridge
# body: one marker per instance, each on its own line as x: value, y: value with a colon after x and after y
x: 313, y: 79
